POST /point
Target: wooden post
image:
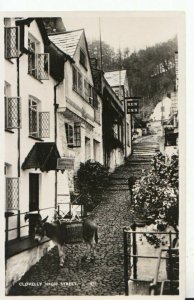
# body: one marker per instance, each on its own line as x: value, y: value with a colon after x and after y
x: 18, y: 225
x: 134, y: 246
x: 125, y: 263
x: 6, y: 229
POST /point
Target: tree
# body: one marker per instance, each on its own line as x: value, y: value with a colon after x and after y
x: 150, y: 71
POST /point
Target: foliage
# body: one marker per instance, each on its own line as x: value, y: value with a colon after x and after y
x: 156, y: 195
x: 92, y: 180
x: 150, y: 71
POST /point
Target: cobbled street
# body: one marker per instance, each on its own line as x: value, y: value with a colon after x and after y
x: 104, y: 276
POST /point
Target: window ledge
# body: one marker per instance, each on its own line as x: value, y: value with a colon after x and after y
x: 9, y: 60
x: 82, y: 97
x: 9, y: 130
x: 36, y: 138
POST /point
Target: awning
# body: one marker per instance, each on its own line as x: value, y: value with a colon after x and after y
x: 42, y: 156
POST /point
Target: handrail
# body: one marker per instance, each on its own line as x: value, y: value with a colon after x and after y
x: 153, y: 285
x: 149, y: 232
x: 23, y: 213
x: 135, y: 256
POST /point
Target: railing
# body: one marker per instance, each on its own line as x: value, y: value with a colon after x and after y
x: 130, y: 236
x: 19, y: 227
x: 19, y: 214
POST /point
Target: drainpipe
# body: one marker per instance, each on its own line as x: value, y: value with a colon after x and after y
x: 55, y: 132
x: 18, y: 95
x: 125, y: 120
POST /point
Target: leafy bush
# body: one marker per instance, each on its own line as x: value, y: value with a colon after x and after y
x: 156, y: 195
x: 92, y: 179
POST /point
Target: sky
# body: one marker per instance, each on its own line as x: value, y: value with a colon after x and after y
x: 120, y: 30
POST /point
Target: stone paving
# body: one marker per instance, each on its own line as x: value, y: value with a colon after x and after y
x: 105, y: 275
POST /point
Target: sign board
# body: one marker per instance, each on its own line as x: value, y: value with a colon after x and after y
x: 65, y: 163
x: 132, y: 107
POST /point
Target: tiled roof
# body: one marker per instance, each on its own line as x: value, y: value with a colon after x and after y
x: 115, y: 78
x: 67, y: 41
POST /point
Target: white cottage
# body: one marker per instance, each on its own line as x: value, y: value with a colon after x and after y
x: 31, y: 152
x: 79, y: 108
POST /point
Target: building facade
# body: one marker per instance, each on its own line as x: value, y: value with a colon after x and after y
x: 79, y: 107
x: 119, y: 83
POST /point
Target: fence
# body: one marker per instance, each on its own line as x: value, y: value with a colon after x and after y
x: 131, y: 257
x: 71, y: 208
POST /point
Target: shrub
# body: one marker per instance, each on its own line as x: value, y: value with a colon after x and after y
x: 156, y: 195
x: 92, y: 179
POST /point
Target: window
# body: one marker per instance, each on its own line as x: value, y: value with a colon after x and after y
x: 77, y: 135
x: 83, y: 59
x: 12, y: 109
x: 11, y: 42
x: 39, y: 122
x: 82, y: 86
x: 77, y: 81
x: 80, y: 83
x: 69, y: 134
x: 38, y: 63
x: 12, y: 193
x: 88, y: 92
x: 74, y: 79
x: 73, y: 134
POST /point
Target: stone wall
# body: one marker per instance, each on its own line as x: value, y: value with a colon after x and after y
x: 19, y: 264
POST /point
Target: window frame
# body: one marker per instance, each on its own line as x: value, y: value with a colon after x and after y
x: 73, y: 134
x: 33, y: 110
x: 38, y: 63
x: 82, y: 59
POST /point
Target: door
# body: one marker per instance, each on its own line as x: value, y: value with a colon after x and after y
x: 33, y: 199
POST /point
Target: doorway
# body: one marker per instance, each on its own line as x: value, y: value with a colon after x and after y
x: 33, y: 199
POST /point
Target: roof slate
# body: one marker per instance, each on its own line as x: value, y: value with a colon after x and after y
x: 115, y: 78
x: 67, y: 41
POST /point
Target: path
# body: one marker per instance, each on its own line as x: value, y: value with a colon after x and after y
x: 104, y: 276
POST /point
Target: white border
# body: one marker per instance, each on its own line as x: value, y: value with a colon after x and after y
x: 141, y: 5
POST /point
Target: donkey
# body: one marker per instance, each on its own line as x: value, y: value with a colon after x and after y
x: 55, y: 232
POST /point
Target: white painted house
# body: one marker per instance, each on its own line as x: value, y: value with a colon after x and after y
x: 79, y: 108
x: 31, y: 152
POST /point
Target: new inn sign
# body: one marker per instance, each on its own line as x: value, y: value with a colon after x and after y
x: 132, y: 106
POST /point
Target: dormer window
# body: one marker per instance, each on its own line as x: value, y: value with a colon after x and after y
x: 83, y: 59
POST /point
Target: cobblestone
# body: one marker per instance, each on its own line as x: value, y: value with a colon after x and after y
x: 105, y: 275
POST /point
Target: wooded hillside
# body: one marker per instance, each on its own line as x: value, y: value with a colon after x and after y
x: 151, y: 72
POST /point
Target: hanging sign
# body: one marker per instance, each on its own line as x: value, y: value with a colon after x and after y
x: 132, y: 107
x: 65, y: 163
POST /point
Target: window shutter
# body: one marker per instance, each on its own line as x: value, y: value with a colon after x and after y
x: 11, y: 42
x: 42, y: 66
x: 12, y: 113
x: 12, y: 193
x: 69, y: 134
x: 44, y: 124
x: 77, y: 135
